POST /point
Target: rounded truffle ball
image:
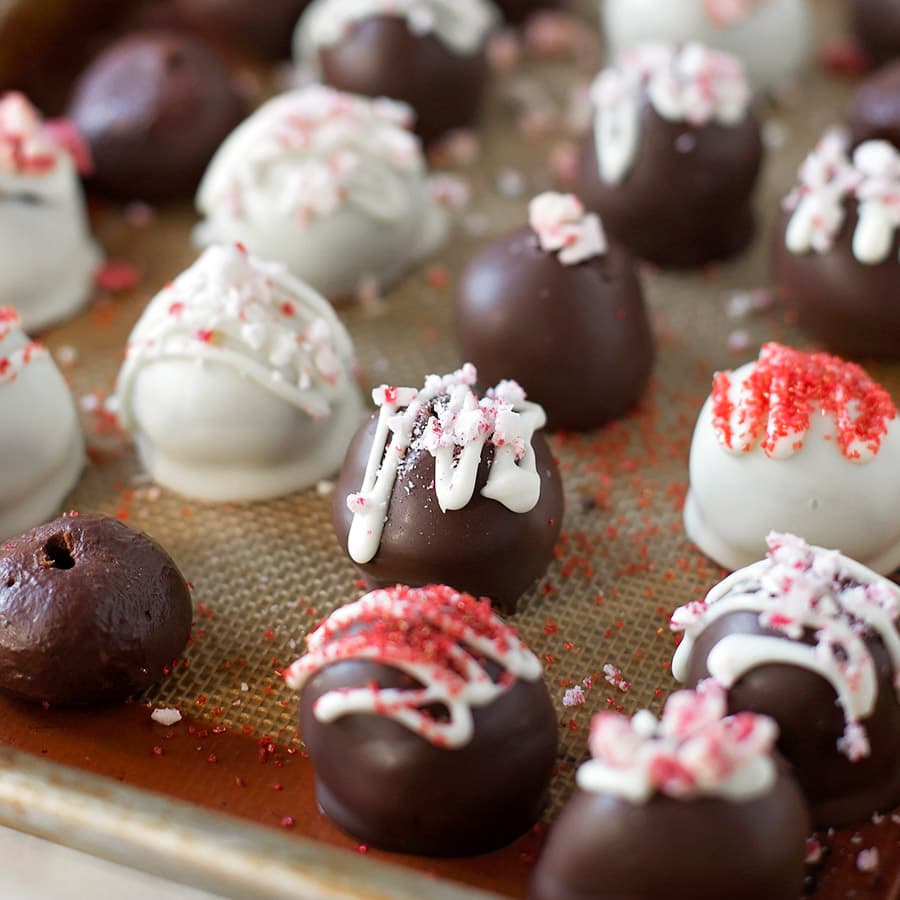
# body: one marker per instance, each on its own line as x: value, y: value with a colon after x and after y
x: 427, y: 721
x: 517, y: 11
x: 874, y: 113
x: 94, y: 612
x: 154, y: 107
x: 558, y: 308
x: 877, y: 26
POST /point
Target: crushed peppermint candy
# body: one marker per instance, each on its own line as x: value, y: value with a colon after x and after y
x: 868, y: 860
x: 694, y: 750
x: 613, y: 674
x: 440, y: 637
x: 165, y: 716
x: 12, y: 362
x: 797, y: 590
x: 773, y: 405
x: 563, y: 227
x: 574, y: 696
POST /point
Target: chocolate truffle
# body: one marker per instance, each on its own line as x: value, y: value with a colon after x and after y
x: 799, y: 442
x: 332, y: 185
x: 47, y: 255
x: 427, y: 722
x: 237, y: 382
x: 693, y: 807
x: 673, y: 157
x: 153, y: 108
x: 517, y: 11
x: 877, y: 26
x: 558, y: 308
x: 837, y: 253
x: 41, y: 444
x: 430, y: 54
x: 875, y: 111
x: 810, y: 638
x: 443, y: 483
x: 93, y: 612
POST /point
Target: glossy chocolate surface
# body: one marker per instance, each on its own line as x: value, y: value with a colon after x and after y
x: 517, y: 11
x: 877, y: 26
x: 875, y: 110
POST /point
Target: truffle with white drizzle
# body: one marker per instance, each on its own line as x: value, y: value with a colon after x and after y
x: 659, y: 804
x: 238, y: 381
x: 673, y: 156
x: 332, y: 185
x: 444, y: 486
x: 41, y: 442
x: 48, y: 255
x: 809, y: 637
x: 428, y: 722
x: 799, y: 442
x: 837, y: 254
x: 430, y: 54
x: 560, y: 308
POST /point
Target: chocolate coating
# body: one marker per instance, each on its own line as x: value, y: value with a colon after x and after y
x: 153, y: 108
x: 850, y: 306
x: 92, y: 612
x: 577, y: 336
x: 483, y: 548
x: 875, y: 111
x: 605, y: 848
x: 805, y: 707
x: 381, y: 57
x: 877, y: 26
x: 390, y: 788
x: 517, y: 11
x: 687, y: 198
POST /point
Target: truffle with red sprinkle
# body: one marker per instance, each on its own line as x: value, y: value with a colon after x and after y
x: 799, y: 442
x: 659, y: 804
x: 427, y: 721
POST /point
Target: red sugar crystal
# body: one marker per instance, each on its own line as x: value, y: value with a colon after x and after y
x: 116, y: 276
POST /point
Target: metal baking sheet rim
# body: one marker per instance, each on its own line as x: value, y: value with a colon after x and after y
x: 184, y: 843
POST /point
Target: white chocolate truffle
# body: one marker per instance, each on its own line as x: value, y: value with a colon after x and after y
x: 48, y: 255
x: 41, y: 442
x: 237, y: 382
x: 774, y: 38
x: 796, y: 442
x: 330, y: 184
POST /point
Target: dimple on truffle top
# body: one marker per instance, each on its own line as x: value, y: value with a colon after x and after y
x: 253, y: 316
x: 692, y: 751
x: 461, y: 25
x: 564, y: 227
x: 773, y: 404
x: 829, y: 178
x: 14, y: 359
x: 821, y: 605
x: 438, y: 636
x: 447, y: 419
x: 690, y: 84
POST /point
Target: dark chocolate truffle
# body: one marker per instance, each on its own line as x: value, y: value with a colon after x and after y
x: 836, y: 257
x: 692, y: 808
x: 93, y: 611
x: 517, y: 11
x: 674, y: 154
x: 561, y: 310
x: 810, y: 638
x: 441, y: 487
x: 153, y: 108
x: 875, y: 111
x: 427, y: 721
x: 877, y: 26
x: 440, y: 69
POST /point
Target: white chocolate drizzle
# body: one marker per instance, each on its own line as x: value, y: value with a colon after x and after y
x: 563, y: 227
x: 829, y: 180
x: 692, y: 751
x: 436, y: 635
x: 455, y: 434
x: 691, y: 84
x: 800, y: 590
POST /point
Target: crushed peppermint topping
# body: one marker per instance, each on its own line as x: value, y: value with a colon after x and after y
x: 563, y: 227
x: 693, y: 750
x: 773, y: 406
x: 12, y: 364
x: 829, y: 180
x: 441, y: 638
x: 800, y: 590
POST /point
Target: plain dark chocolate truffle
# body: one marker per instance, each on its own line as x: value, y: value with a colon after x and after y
x: 877, y: 26
x: 93, y: 611
x: 381, y: 57
x: 875, y: 111
x: 154, y: 107
x: 686, y: 200
x: 577, y: 335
